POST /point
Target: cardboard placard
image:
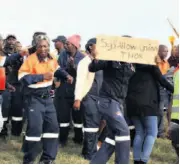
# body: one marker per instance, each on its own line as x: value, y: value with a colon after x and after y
x: 131, y: 50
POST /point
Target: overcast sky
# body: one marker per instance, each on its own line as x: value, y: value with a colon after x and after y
x: 139, y: 18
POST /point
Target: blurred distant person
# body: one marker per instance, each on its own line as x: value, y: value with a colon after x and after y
x: 164, y: 95
x: 8, y: 50
x: 59, y: 43
x: 18, y: 46
x: 163, y: 63
x: 174, y: 59
x: 173, y: 114
x: 10, y: 45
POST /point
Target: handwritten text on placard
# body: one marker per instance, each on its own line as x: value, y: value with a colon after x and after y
x: 131, y: 50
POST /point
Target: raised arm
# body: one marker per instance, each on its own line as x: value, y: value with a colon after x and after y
x: 97, y: 65
x: 161, y: 79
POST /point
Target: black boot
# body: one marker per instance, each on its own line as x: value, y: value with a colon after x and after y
x: 63, y: 143
x: 79, y: 142
x: 46, y: 162
x: 27, y: 161
x: 137, y: 162
x: 141, y: 162
x: 4, y: 132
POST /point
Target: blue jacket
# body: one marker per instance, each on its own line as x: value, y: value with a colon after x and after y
x: 67, y: 90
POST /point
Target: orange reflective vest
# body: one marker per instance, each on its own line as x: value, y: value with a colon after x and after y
x: 32, y: 66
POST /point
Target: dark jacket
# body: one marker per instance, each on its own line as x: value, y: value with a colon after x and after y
x: 10, y: 60
x: 59, y: 56
x: 143, y: 91
x: 66, y: 89
x: 12, y: 65
x: 32, y: 49
x: 115, y: 78
x: 173, y: 61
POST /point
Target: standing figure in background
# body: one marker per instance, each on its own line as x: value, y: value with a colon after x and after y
x: 12, y: 102
x: 142, y: 103
x: 18, y: 46
x: 64, y: 95
x: 164, y: 94
x: 59, y: 43
x: 174, y: 58
x: 87, y: 89
x: 173, y: 120
x: 11, y: 61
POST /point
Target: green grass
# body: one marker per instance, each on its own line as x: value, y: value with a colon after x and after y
x: 11, y: 153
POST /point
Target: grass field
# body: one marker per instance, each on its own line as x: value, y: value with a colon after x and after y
x: 11, y: 153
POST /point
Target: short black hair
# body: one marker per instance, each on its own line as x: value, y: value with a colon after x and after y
x: 39, y: 33
x: 162, y: 47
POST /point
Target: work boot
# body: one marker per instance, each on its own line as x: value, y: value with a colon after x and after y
x: 136, y: 162
x: 46, y: 162
x: 177, y: 161
x: 77, y: 141
x: 141, y: 162
x: 63, y: 144
x: 4, y: 131
x: 27, y: 161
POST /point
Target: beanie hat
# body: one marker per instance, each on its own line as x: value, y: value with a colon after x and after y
x: 90, y: 42
x: 75, y: 40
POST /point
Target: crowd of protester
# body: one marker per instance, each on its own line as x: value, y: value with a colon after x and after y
x: 111, y: 105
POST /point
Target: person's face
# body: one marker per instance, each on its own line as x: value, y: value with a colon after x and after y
x: 11, y: 41
x: 69, y: 47
x: 58, y: 45
x: 43, y: 48
x: 93, y: 50
x: 18, y: 46
x: 163, y: 52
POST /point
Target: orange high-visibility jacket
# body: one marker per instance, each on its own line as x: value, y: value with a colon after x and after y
x: 32, y: 71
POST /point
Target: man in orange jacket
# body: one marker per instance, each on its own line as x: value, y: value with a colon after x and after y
x: 36, y: 75
x: 164, y: 97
